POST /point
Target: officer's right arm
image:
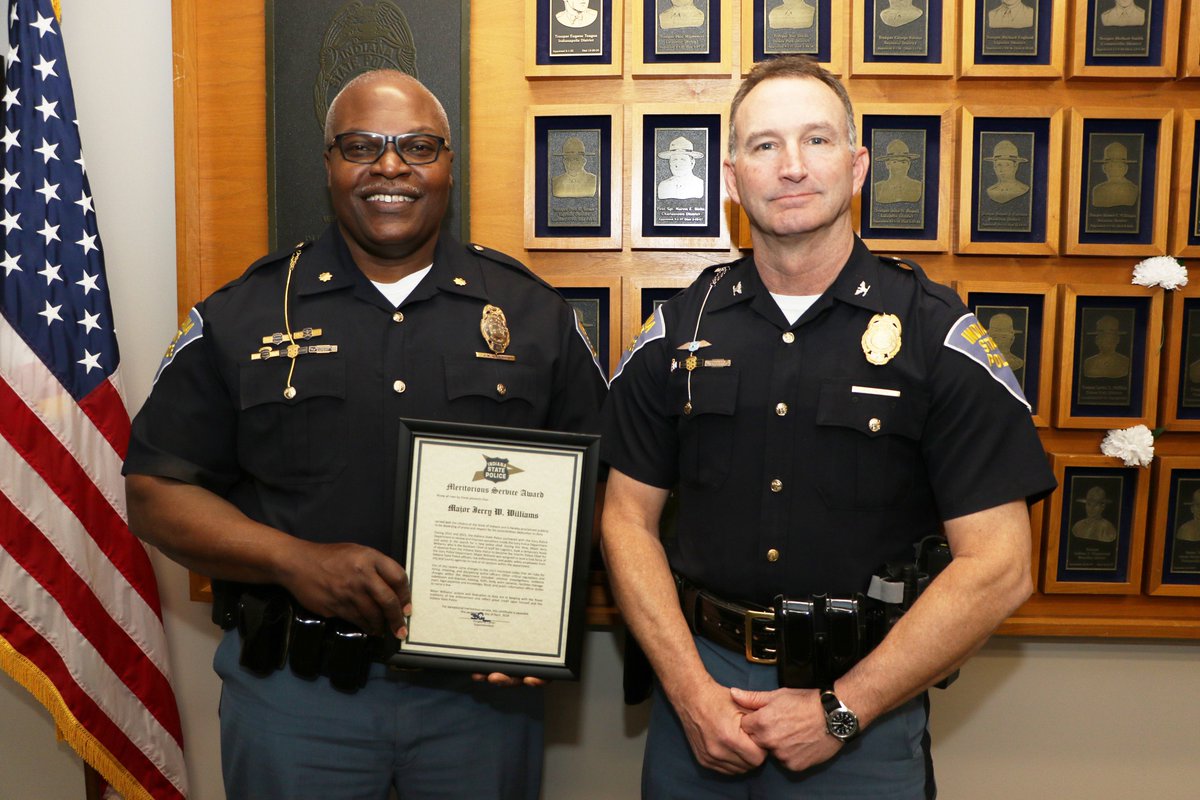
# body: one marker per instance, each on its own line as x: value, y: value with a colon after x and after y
x: 207, y: 534
x: 645, y: 591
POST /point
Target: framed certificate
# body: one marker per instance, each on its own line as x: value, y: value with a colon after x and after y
x: 1013, y: 38
x: 1119, y: 181
x: 573, y: 173
x: 1021, y: 319
x: 1185, y: 226
x: 1174, y: 568
x: 905, y: 204
x: 1096, y: 524
x: 904, y: 37
x: 1109, y: 359
x: 572, y: 37
x: 1011, y: 174
x: 1125, y: 38
x: 1181, y: 356
x: 682, y: 37
x: 808, y: 27
x: 678, y: 194
x: 495, y: 528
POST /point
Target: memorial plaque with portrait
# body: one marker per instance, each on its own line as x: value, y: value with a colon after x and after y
x: 682, y: 37
x: 571, y: 37
x: 904, y: 37
x: 1114, y: 183
x: 1189, y: 368
x: 572, y: 177
x: 1013, y: 38
x: 901, y: 200
x: 1010, y: 184
x: 592, y: 306
x: 682, y: 27
x: 1096, y: 526
x: 1020, y: 319
x: 677, y: 184
x: 1175, y: 528
x: 1126, y: 38
x: 1119, y: 181
x: 1110, y: 356
x: 793, y: 26
x: 901, y: 28
x: 1010, y: 27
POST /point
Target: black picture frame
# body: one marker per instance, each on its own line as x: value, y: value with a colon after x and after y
x: 562, y: 660
x: 906, y: 136
x: 1098, y: 503
x: 310, y: 56
x: 1028, y: 142
x: 680, y: 217
x: 1115, y: 208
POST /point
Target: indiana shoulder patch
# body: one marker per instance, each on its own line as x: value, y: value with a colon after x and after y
x: 655, y: 327
x: 970, y: 338
x: 190, y: 330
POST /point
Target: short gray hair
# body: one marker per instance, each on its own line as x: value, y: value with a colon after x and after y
x: 790, y: 66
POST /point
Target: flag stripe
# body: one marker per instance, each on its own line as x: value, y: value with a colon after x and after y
x: 80, y: 616
x: 63, y: 474
x: 28, y: 547
x: 54, y: 678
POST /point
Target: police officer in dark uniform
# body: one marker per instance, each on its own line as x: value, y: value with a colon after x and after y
x: 266, y: 455
x: 821, y: 411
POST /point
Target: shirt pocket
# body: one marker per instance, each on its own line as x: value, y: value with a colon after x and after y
x: 868, y: 442
x: 302, y: 440
x: 706, y: 424
x: 497, y: 392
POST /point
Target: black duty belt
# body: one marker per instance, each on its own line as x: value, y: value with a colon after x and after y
x: 276, y: 631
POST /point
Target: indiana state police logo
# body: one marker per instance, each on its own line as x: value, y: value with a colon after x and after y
x: 496, y: 470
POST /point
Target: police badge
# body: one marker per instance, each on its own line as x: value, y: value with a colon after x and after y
x: 881, y: 339
x: 494, y: 328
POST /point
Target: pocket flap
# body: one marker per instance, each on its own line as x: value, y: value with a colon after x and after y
x: 875, y: 409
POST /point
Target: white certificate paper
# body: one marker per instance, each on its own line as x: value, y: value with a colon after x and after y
x: 491, y: 549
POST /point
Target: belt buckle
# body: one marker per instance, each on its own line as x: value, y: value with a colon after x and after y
x: 752, y: 617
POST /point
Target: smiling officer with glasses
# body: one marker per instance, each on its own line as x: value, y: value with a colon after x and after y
x: 265, y: 458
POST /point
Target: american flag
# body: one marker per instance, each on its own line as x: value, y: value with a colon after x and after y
x: 80, y: 622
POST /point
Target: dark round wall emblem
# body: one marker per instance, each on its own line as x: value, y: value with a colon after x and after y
x: 360, y: 38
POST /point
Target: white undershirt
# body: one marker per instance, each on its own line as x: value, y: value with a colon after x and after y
x: 793, y: 306
x: 398, y: 292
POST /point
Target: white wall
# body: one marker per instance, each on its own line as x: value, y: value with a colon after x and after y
x: 1032, y: 719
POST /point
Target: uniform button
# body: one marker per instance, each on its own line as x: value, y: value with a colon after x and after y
x: 399, y: 387
x: 398, y: 317
x: 777, y: 485
x: 788, y: 337
x: 501, y: 389
x: 874, y: 424
x: 772, y: 555
x: 781, y: 409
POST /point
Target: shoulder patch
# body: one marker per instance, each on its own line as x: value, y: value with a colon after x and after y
x: 506, y: 260
x: 579, y: 329
x: 970, y: 338
x: 190, y: 330
x: 655, y: 327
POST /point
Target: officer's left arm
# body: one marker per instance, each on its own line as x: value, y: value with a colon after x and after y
x: 987, y: 580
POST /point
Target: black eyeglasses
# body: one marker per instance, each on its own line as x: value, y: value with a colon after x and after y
x: 365, y: 147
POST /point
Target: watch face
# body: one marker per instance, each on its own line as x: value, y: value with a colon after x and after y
x: 843, y: 723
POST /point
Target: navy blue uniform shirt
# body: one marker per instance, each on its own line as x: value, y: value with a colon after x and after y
x: 800, y: 466
x: 322, y: 465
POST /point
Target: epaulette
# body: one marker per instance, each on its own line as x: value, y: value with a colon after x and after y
x: 902, y: 263
x: 506, y: 260
x: 282, y: 254
x: 931, y: 287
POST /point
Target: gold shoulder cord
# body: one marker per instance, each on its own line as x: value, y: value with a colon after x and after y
x: 293, y: 349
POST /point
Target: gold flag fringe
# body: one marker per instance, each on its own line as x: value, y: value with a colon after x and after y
x: 69, y: 729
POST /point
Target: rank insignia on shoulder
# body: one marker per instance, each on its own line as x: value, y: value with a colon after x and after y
x: 863, y: 288
x: 494, y: 328
x: 325, y: 277
x: 881, y: 339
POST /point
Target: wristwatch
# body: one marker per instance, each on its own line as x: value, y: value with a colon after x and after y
x: 840, y: 722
